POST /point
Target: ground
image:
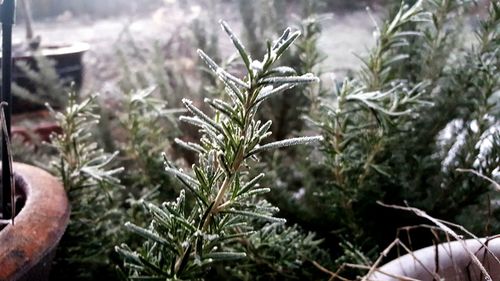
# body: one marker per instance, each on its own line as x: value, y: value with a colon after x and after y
x: 345, y: 34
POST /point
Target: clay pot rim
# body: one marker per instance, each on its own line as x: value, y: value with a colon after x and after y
x: 39, y: 225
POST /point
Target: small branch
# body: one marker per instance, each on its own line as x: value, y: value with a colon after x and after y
x: 325, y: 270
x: 285, y: 143
x: 366, y: 267
x: 495, y: 184
x: 441, y: 224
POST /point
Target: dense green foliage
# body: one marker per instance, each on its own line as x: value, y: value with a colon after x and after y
x: 227, y: 219
x: 422, y: 109
x: 305, y: 56
x: 103, y: 198
x: 85, y: 172
x: 422, y: 106
x: 48, y: 87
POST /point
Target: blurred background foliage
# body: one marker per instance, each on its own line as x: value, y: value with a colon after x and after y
x: 43, y: 9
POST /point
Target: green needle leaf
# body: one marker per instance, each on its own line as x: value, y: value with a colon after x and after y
x: 239, y: 46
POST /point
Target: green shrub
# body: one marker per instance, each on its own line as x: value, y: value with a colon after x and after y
x: 225, y: 217
x: 48, y: 85
x: 102, y: 199
x: 262, y: 18
x: 91, y: 183
x: 422, y: 106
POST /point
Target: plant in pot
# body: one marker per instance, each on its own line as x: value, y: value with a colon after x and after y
x: 474, y: 74
x: 43, y: 69
x: 34, y: 206
x: 457, y: 258
x: 43, y: 72
x: 424, y: 107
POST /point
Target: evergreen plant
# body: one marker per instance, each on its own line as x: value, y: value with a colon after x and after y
x: 185, y: 238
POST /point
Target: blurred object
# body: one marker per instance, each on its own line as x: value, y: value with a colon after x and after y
x: 35, y: 131
x: 44, y: 75
x: 448, y: 261
x: 41, y: 72
x: 65, y: 16
x: 33, y: 41
x: 54, y: 8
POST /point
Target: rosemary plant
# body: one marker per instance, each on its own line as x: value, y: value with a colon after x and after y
x: 185, y: 239
x: 277, y: 252
x: 145, y: 121
x: 400, y: 130
x: 289, y: 112
x: 474, y: 123
x: 142, y: 66
x: 86, y: 173
x: 148, y: 126
x: 48, y: 86
x: 436, y: 42
x: 379, y: 67
x: 357, y: 120
x: 262, y: 18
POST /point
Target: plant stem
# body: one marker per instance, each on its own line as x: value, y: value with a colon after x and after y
x: 28, y: 18
x: 234, y: 169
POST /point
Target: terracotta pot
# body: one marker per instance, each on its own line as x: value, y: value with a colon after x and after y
x: 452, y: 263
x: 28, y: 246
